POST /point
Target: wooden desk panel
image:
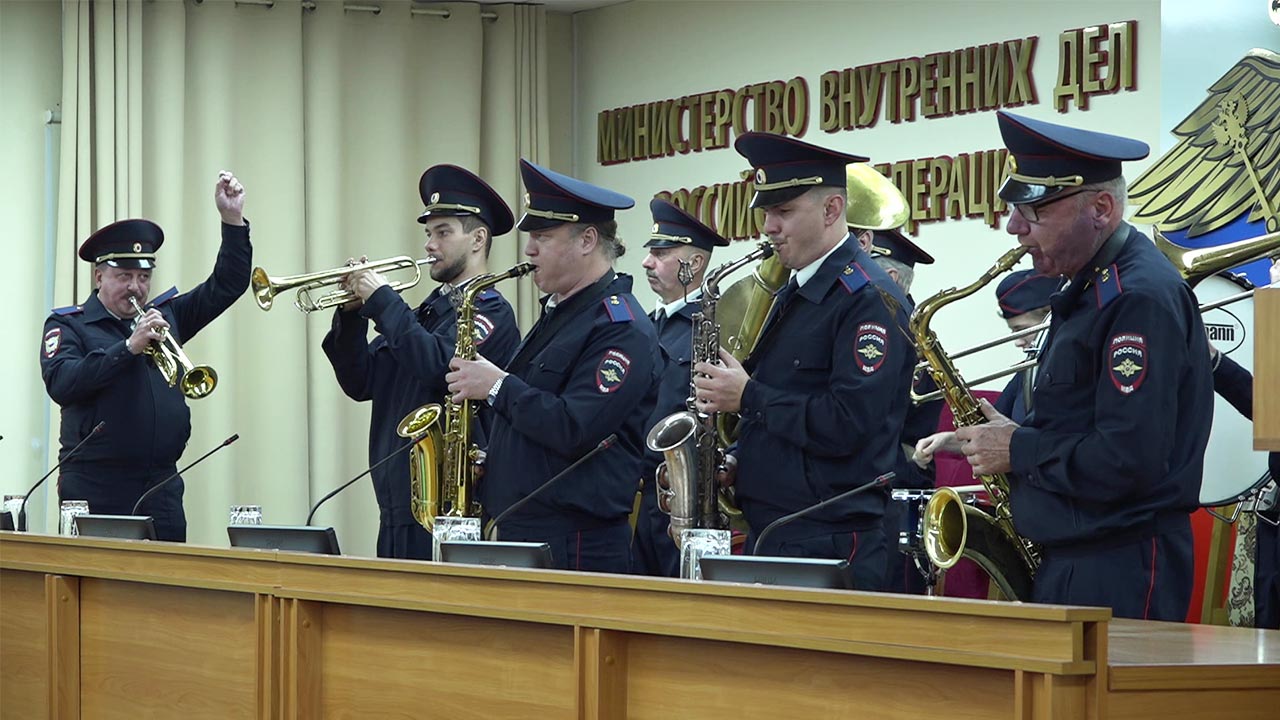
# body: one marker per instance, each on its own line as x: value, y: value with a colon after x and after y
x: 160, y: 630
x: 379, y: 663
x: 24, y: 646
x: 730, y: 681
x: 144, y: 646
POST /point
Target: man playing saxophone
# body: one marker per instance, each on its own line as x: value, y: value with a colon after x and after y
x: 587, y: 369
x: 678, y: 240
x: 823, y: 396
x: 1107, y: 465
x: 404, y: 366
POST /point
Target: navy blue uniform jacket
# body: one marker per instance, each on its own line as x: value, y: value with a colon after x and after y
x: 89, y: 372
x: 829, y: 389
x: 589, y: 369
x: 404, y: 368
x: 1123, y: 401
x: 675, y: 334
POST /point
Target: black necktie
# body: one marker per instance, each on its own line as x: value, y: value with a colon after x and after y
x: 659, y: 318
x: 780, y: 303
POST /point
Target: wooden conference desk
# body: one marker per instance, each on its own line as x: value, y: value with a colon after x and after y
x: 111, y: 629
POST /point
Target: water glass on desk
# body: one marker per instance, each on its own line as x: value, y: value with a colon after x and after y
x: 69, y: 511
x: 449, y: 527
x: 245, y: 515
x: 698, y: 543
x: 11, y: 505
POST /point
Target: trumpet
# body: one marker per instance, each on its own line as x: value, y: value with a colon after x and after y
x: 265, y: 287
x: 197, y: 381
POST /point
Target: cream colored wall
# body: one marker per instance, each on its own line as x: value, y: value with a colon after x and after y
x: 647, y: 51
x: 30, y: 85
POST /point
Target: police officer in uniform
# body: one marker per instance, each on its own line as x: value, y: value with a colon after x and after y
x: 898, y: 255
x: 1108, y: 462
x: 677, y: 238
x: 824, y: 395
x: 589, y: 368
x: 93, y: 365
x: 1022, y: 298
x: 403, y: 367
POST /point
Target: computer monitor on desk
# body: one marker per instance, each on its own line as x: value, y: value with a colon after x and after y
x: 120, y: 527
x: 795, y: 572
x: 507, y: 554
x: 291, y: 538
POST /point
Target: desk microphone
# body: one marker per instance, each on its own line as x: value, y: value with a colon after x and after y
x: 152, y: 490
x: 492, y: 531
x: 22, y: 509
x: 881, y: 482
x: 368, y: 470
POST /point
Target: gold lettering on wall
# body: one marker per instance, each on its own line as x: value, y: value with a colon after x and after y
x: 1098, y: 60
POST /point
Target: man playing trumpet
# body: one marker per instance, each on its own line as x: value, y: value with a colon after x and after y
x: 93, y: 364
x: 404, y: 366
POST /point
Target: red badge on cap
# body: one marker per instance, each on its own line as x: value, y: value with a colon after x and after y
x: 52, y: 341
x: 871, y: 346
x: 612, y: 371
x: 1127, y: 361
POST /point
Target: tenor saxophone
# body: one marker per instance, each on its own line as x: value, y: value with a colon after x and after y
x: 952, y: 528
x: 443, y: 464
x: 689, y: 440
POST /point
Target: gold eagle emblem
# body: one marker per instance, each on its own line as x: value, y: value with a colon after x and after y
x: 1227, y: 160
x: 1128, y: 368
x: 870, y: 351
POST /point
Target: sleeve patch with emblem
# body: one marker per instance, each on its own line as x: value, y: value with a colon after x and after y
x: 871, y: 346
x: 52, y: 340
x: 612, y: 371
x: 482, y: 327
x: 1127, y: 361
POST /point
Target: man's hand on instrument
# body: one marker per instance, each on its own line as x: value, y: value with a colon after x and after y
x: 364, y: 282
x: 720, y: 386
x: 471, y: 379
x: 727, y: 473
x: 927, y: 446
x: 149, y: 328
x: 350, y: 287
x: 986, y: 446
x: 228, y: 196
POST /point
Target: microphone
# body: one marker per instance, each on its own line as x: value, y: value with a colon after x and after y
x: 22, y: 509
x: 605, y: 444
x: 881, y: 482
x: 368, y: 470
x: 152, y: 490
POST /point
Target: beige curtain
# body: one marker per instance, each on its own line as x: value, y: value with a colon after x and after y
x: 328, y: 115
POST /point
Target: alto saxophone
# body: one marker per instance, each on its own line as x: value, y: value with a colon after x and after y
x: 443, y: 463
x: 952, y: 528
x: 689, y: 440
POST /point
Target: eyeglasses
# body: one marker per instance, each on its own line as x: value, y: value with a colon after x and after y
x: 1031, y: 213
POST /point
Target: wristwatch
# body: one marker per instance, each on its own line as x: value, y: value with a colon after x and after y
x: 493, y: 391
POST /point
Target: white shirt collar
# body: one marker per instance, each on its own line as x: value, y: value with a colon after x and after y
x: 672, y: 308
x: 806, y: 273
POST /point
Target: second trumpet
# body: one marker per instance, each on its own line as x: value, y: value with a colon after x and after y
x: 265, y: 287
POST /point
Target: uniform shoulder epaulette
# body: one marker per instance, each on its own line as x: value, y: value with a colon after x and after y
x: 488, y: 294
x: 69, y: 310
x: 165, y: 297
x: 618, y: 309
x: 1106, y: 285
x: 853, y: 277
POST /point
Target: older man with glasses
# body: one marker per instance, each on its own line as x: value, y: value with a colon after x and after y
x: 1107, y: 465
